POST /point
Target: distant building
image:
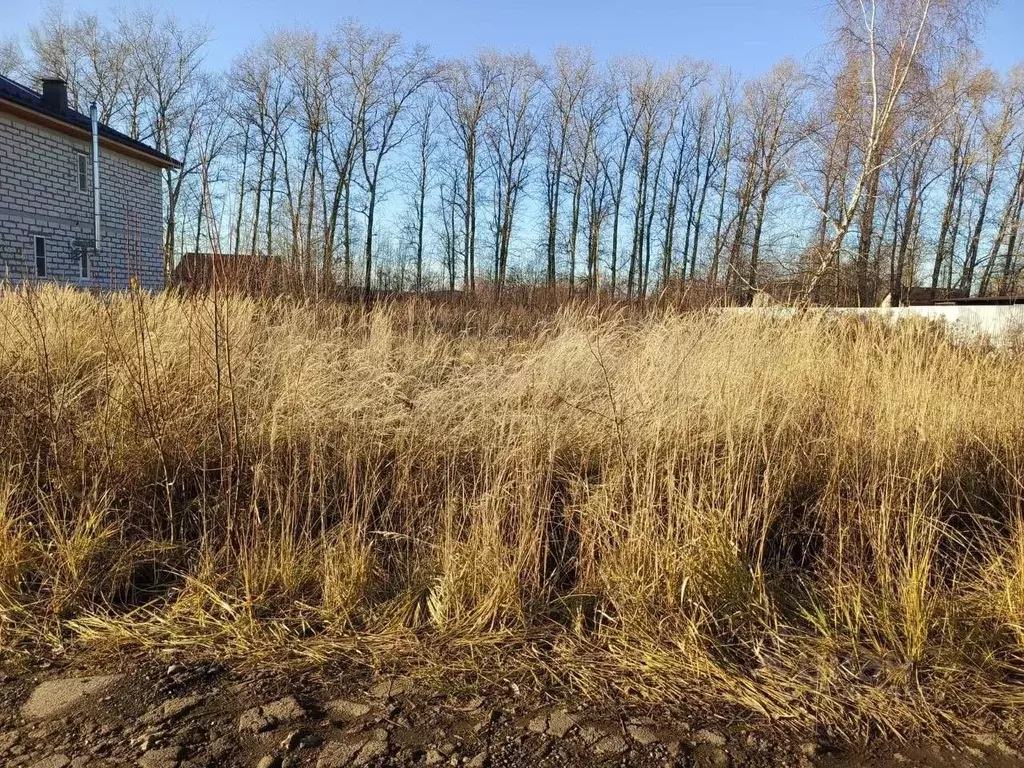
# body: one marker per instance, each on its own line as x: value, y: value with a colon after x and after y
x: 47, y: 225
x: 238, y: 271
x: 916, y: 295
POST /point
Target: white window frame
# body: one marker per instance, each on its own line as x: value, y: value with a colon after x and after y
x: 82, y: 171
x: 36, y: 240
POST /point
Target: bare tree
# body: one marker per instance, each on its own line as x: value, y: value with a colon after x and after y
x: 259, y: 81
x: 468, y: 87
x: 726, y: 89
x: 353, y: 67
x: 641, y: 110
x: 913, y: 172
x: 401, y: 75
x: 1000, y: 130
x: 690, y: 139
x: 106, y: 63
x: 54, y: 47
x: 625, y: 74
x: 308, y: 68
x: 957, y: 137
x: 169, y: 56
x: 1009, y: 232
x: 771, y: 131
x: 588, y: 172
x: 906, y: 158
x: 891, y: 40
x: 426, y: 145
x: 510, y: 132
x: 450, y: 211
x: 825, y: 160
x: 1013, y: 213
x: 12, y: 58
x: 571, y: 78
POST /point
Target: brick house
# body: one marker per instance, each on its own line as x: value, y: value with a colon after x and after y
x: 47, y: 198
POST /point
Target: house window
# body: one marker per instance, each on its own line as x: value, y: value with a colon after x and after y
x: 84, y: 263
x: 82, y: 166
x: 40, y: 257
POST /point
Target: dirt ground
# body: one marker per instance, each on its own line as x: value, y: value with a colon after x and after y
x: 155, y: 714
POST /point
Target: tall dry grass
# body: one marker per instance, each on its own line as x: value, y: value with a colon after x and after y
x: 811, y: 519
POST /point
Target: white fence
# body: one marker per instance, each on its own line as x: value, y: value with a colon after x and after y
x: 999, y: 324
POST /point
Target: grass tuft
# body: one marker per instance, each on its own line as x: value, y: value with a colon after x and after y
x: 812, y: 519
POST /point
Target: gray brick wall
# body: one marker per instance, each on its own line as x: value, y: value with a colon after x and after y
x: 40, y: 196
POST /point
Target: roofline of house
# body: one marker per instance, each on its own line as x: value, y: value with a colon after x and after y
x: 54, y: 123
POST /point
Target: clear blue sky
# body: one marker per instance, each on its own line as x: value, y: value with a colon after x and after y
x: 748, y: 35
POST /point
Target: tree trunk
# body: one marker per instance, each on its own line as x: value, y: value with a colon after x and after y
x: 971, y: 261
x: 371, y: 206
x: 241, y: 193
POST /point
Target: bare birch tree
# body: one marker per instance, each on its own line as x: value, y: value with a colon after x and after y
x: 891, y: 40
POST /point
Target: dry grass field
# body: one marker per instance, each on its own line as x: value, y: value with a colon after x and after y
x: 809, y: 519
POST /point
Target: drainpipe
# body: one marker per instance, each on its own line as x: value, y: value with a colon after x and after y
x: 94, y: 114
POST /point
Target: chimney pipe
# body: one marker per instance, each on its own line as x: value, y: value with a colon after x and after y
x: 55, y: 94
x: 94, y: 112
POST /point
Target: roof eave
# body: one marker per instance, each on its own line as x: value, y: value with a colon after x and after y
x: 41, y: 118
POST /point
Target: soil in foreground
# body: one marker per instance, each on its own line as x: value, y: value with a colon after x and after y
x: 178, y: 714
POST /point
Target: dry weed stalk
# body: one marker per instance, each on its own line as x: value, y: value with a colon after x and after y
x: 808, y: 518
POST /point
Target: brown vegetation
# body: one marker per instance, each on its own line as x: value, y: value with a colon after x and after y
x: 808, y: 518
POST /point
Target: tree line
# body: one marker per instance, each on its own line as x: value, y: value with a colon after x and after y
x: 890, y: 159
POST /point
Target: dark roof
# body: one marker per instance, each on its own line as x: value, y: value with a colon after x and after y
x: 982, y: 301
x: 922, y: 295
x: 21, y: 96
